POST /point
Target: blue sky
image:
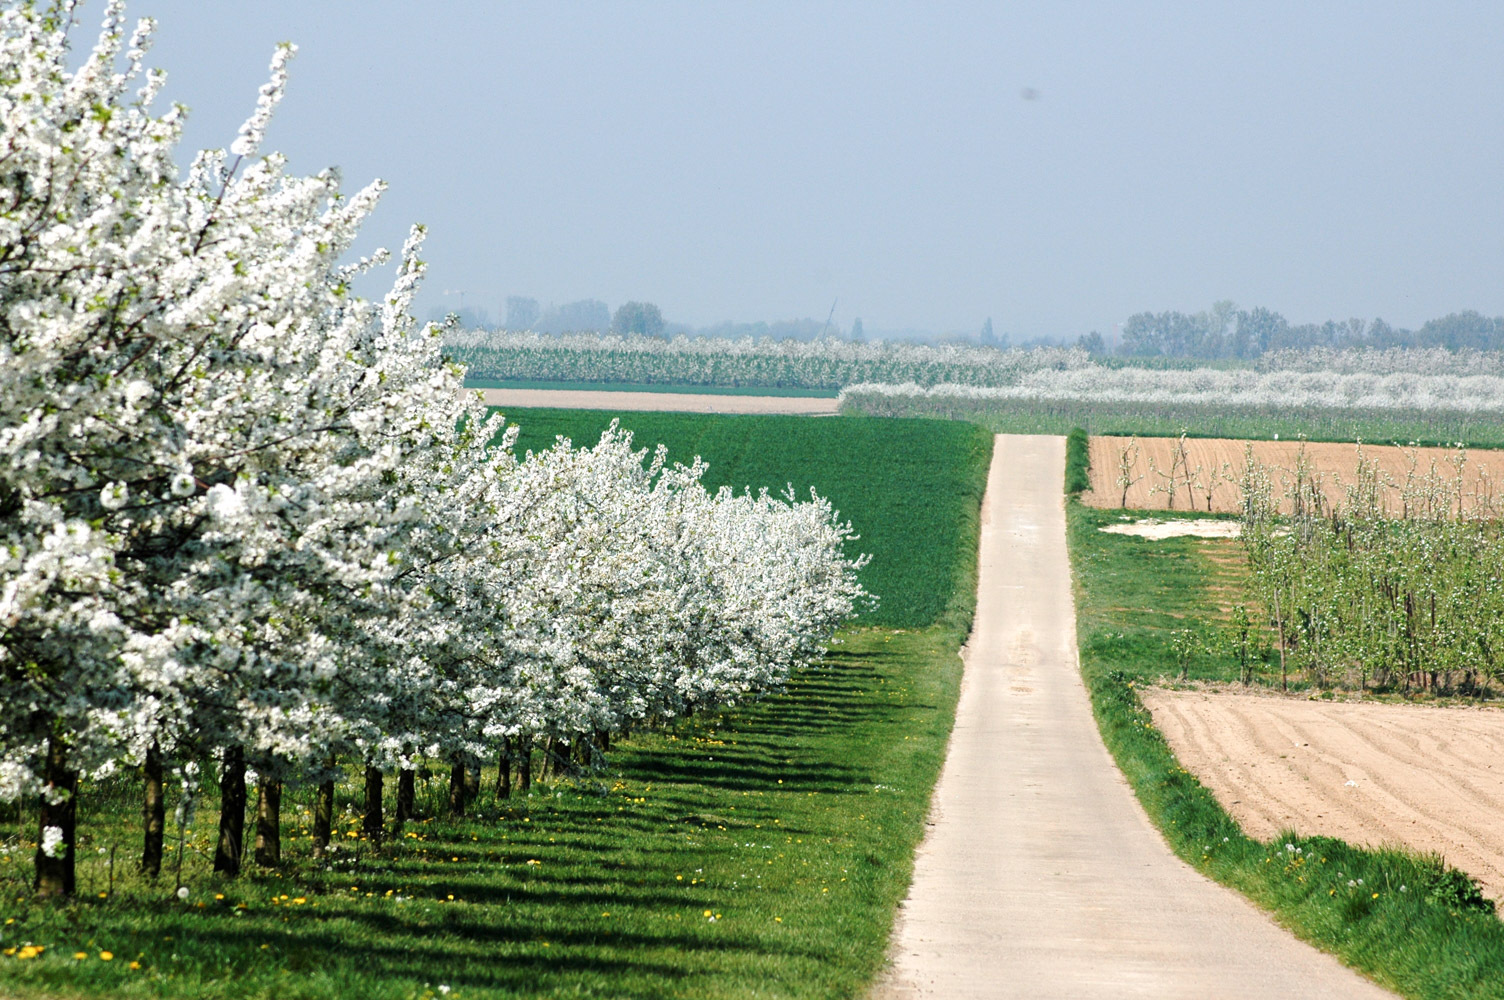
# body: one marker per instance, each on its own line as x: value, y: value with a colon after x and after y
x: 1057, y: 166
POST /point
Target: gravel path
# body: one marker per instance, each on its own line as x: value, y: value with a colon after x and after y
x: 1041, y: 877
x: 661, y: 402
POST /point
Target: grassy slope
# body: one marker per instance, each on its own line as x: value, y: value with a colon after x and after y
x: 792, y: 822
x: 1424, y: 941
x: 905, y: 485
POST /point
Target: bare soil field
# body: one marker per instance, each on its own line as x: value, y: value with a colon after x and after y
x: 1429, y: 778
x: 1222, y: 460
x: 659, y: 402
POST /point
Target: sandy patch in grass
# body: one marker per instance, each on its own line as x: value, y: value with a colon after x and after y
x: 658, y: 402
x: 1429, y: 778
x: 1220, y: 457
x: 1148, y: 527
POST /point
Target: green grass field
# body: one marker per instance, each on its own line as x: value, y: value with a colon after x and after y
x: 905, y: 485
x: 1432, y: 940
x: 758, y: 853
x: 1168, y: 420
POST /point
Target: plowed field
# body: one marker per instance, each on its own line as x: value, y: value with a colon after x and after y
x: 1431, y: 779
x: 1221, y: 458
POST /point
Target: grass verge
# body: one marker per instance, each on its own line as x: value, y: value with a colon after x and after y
x: 1407, y: 921
x: 1077, y: 463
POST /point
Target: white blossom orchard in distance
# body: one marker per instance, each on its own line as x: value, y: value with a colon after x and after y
x: 242, y: 508
x: 1412, y: 377
x: 826, y: 363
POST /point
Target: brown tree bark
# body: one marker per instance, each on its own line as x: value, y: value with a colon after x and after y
x: 504, y: 769
x: 457, y: 797
x: 231, y: 847
x: 153, y: 813
x: 524, y: 764
x: 55, y: 876
x: 374, y: 821
x: 268, y: 823
x: 407, y: 796
x: 323, y: 816
x: 472, y: 781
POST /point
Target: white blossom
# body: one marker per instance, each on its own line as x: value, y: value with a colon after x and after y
x: 52, y: 841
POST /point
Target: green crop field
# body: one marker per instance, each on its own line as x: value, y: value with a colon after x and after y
x: 905, y: 485
x: 1036, y: 416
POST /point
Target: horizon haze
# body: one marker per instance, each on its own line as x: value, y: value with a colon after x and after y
x: 1057, y: 168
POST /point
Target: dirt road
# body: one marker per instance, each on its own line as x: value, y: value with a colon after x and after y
x: 1041, y: 876
x: 1429, y: 778
x: 661, y: 402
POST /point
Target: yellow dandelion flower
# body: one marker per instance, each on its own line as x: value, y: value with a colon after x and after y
x: 107, y: 956
x: 135, y: 965
x: 80, y: 955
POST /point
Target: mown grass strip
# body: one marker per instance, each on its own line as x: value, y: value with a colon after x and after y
x: 757, y: 854
x: 1406, y: 921
x: 1077, y: 463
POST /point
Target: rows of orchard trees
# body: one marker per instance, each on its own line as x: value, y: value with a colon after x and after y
x: 1396, y: 584
x: 248, y: 517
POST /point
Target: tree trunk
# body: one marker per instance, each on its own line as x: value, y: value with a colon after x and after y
x: 407, y: 796
x: 472, y: 781
x: 457, y: 788
x: 551, y: 757
x: 231, y: 847
x: 504, y: 770
x: 268, y: 823
x: 153, y: 813
x: 374, y: 821
x: 524, y: 764
x: 323, y: 816
x: 55, y: 876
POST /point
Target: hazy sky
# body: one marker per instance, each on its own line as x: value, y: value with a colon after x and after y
x: 1056, y: 166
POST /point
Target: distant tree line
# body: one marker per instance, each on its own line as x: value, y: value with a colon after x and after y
x: 1225, y: 331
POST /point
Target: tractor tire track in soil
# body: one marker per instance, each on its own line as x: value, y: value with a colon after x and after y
x: 1335, y: 462
x: 1040, y: 876
x: 1428, y: 778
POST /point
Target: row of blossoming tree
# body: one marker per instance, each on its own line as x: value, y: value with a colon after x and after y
x: 251, y: 518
